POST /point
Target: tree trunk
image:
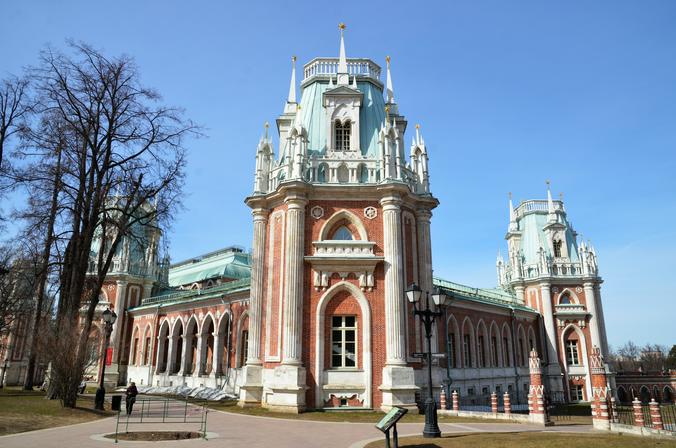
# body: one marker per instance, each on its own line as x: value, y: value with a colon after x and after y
x: 44, y: 272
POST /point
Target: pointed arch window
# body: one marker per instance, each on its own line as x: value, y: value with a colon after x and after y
x: 342, y: 234
x: 565, y: 300
x: 342, y: 133
x: 557, y: 248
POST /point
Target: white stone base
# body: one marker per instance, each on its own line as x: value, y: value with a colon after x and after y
x: 284, y: 389
x: 601, y: 424
x: 251, y: 391
x: 398, y: 388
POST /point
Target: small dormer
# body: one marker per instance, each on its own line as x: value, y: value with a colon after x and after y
x: 342, y: 105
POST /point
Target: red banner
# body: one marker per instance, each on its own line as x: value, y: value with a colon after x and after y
x: 109, y: 356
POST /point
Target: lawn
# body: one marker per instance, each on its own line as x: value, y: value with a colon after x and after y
x: 530, y: 440
x: 339, y: 416
x: 27, y: 411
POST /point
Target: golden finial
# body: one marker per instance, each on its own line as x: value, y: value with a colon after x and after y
x: 387, y: 113
x: 267, y: 125
x: 298, y: 107
x: 547, y: 182
x: 387, y: 58
x: 417, y: 126
x: 341, y: 26
x: 293, y: 59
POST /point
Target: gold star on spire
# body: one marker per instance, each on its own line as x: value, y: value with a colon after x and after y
x: 341, y: 26
x: 267, y: 125
x: 387, y: 113
x: 387, y: 58
x: 417, y: 126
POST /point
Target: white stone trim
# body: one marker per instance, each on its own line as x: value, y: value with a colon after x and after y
x: 583, y: 343
x: 337, y: 216
x: 274, y: 217
x: 358, y: 295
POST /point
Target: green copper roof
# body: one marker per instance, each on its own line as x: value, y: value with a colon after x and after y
x: 533, y: 237
x: 193, y: 295
x: 490, y: 296
x: 313, y: 117
x: 228, y: 263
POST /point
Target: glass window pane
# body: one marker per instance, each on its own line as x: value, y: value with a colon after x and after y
x: 337, y: 335
x: 349, y: 335
x: 349, y: 321
x: 350, y: 361
x: 337, y: 349
x: 336, y: 361
x: 349, y: 347
x: 337, y: 321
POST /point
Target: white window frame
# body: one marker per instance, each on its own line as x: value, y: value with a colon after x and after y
x: 573, y: 348
x: 343, y: 342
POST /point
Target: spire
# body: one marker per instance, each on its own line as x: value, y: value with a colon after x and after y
x: 291, y: 100
x: 266, y: 125
x: 354, y: 82
x: 343, y: 77
x: 513, y: 227
x: 330, y: 81
x: 390, y: 89
x: 417, y: 133
x: 292, y: 85
x: 551, y: 217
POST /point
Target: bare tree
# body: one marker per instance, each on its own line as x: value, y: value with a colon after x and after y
x: 14, y: 106
x: 120, y: 166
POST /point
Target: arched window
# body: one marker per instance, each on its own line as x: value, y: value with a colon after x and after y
x: 342, y: 133
x: 565, y: 300
x: 644, y: 394
x: 244, y: 348
x: 342, y: 234
x: 321, y: 172
x: 557, y: 248
x: 573, y: 351
x: 622, y: 396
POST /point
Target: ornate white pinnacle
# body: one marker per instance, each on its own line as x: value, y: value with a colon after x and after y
x: 390, y: 89
x: 343, y: 77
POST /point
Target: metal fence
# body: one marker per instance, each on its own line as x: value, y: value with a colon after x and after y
x: 159, y: 410
x: 668, y: 417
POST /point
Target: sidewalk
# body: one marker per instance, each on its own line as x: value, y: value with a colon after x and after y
x: 243, y: 431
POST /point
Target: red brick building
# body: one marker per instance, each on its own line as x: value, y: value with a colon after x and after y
x: 316, y: 315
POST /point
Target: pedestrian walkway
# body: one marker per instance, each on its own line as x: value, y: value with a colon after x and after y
x: 244, y: 431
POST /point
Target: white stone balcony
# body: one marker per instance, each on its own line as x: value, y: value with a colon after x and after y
x: 333, y: 248
x: 360, y: 67
x: 536, y: 205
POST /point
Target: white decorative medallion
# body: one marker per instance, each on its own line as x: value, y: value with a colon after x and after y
x: 317, y: 212
x: 370, y: 212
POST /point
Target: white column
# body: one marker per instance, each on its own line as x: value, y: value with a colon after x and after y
x: 423, y: 217
x: 216, y: 358
x: 171, y: 354
x: 395, y: 311
x: 120, y: 298
x: 594, y: 320
x: 200, y: 354
x: 293, y: 303
x: 184, y: 354
x: 158, y: 359
x: 602, y: 320
x: 260, y: 219
x: 548, y: 317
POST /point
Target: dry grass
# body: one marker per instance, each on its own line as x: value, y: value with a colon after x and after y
x: 27, y: 411
x: 340, y: 416
x: 155, y: 436
x: 530, y: 440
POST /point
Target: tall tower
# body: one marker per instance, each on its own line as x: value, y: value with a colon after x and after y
x: 341, y: 225
x: 549, y: 271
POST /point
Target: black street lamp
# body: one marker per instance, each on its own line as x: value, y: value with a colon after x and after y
x: 427, y: 317
x: 109, y: 318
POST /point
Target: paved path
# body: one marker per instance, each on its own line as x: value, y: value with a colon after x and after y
x: 236, y: 430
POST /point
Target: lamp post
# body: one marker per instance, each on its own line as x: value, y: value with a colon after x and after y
x: 427, y: 317
x: 109, y: 318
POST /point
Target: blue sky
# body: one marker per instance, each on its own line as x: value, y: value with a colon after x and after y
x: 508, y: 94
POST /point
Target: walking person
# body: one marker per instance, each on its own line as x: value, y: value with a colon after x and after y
x: 131, y: 394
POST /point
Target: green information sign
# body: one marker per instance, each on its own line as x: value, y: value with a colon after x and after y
x: 391, y: 418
